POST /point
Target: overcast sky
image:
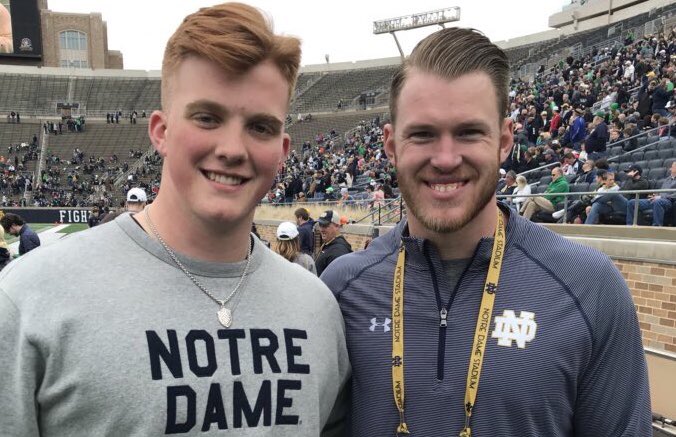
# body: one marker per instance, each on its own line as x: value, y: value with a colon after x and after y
x: 343, y: 29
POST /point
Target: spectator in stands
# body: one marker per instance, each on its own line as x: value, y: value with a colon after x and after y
x: 335, y: 245
x: 305, y: 225
x: 28, y: 239
x: 288, y: 246
x: 571, y: 165
x: 660, y: 98
x: 549, y: 200
x: 588, y: 173
x: 578, y: 130
x: 170, y: 272
x: 522, y: 189
x: 604, y: 202
x: 510, y: 183
x: 660, y: 203
x: 345, y: 197
x: 595, y: 143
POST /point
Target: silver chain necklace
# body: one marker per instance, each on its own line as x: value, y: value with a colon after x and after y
x: 224, y: 314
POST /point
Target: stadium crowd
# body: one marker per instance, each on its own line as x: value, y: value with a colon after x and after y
x: 570, y: 116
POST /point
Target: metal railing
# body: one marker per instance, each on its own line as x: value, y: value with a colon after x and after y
x: 636, y: 193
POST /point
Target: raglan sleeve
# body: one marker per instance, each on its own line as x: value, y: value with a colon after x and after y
x: 19, y: 369
x: 613, y: 393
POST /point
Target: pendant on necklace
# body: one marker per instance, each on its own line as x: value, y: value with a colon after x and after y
x: 225, y: 317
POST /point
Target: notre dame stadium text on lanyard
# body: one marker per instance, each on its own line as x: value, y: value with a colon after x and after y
x: 480, y: 333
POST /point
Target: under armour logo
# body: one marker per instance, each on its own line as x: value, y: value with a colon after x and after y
x: 491, y: 288
x: 468, y: 407
x: 510, y: 328
x: 385, y: 324
x: 396, y: 361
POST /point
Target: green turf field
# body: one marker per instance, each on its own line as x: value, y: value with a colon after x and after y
x: 76, y: 227
x: 39, y: 227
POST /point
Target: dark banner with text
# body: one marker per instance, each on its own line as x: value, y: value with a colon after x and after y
x: 51, y: 215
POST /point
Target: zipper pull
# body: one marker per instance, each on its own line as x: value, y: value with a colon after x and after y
x: 442, y: 314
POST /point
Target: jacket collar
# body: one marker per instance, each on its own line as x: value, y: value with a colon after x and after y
x: 418, y: 250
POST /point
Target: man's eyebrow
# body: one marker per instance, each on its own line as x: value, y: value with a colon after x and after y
x: 469, y: 124
x: 269, y: 119
x: 473, y: 124
x: 205, y: 105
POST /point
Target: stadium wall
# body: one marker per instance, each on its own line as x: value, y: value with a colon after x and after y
x: 595, y: 13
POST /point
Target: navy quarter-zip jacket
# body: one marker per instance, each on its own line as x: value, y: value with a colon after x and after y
x: 576, y: 367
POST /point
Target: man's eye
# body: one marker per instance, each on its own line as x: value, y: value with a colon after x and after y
x: 421, y: 135
x: 205, y: 119
x: 262, y: 129
x: 470, y: 133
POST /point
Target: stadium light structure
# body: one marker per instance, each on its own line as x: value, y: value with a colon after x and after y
x: 415, y: 21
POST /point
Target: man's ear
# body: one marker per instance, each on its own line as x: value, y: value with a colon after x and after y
x: 157, y: 131
x: 506, y: 138
x: 388, y: 142
x: 286, y: 146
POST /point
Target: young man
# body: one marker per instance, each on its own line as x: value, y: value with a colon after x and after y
x: 189, y: 325
x: 445, y: 336
x: 305, y: 230
x: 28, y: 239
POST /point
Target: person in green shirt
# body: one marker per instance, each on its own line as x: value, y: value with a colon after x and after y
x: 548, y: 201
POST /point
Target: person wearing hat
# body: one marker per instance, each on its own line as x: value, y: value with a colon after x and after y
x: 345, y: 197
x: 288, y: 246
x: 335, y: 245
x: 555, y: 122
x: 136, y: 201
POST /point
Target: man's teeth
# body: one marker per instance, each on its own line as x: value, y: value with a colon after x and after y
x: 445, y: 187
x: 222, y: 179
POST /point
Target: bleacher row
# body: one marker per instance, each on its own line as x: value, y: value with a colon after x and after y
x: 655, y: 160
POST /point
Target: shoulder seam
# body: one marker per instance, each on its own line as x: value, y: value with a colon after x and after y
x: 565, y: 287
x: 360, y: 272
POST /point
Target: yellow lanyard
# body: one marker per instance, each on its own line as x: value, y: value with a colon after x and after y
x: 480, y: 333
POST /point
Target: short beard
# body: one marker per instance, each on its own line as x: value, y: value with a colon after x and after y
x: 444, y: 225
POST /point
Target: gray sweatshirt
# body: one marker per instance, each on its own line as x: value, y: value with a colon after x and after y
x: 102, y: 335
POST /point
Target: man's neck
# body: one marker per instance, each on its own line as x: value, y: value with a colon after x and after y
x: 461, y: 243
x: 203, y: 241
